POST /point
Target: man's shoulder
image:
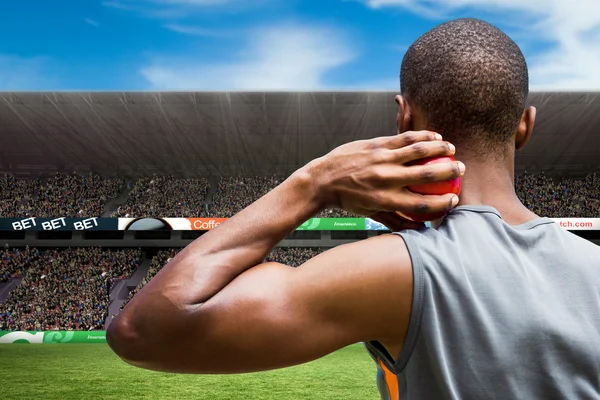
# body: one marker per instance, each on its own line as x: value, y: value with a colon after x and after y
x: 424, y: 237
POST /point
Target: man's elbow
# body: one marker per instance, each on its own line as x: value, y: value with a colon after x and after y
x: 125, y: 340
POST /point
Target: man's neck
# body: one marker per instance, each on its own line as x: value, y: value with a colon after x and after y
x: 492, y: 184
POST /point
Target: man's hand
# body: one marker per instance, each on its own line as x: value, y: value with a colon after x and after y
x: 370, y: 176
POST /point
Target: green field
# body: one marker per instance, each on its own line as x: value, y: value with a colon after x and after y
x: 92, y: 371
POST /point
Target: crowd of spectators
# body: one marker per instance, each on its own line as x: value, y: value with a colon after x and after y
x: 544, y: 195
x: 162, y: 197
x: 63, y: 289
x: 233, y: 194
x: 15, y: 262
x: 236, y: 193
x: 74, y: 196
x: 14, y: 194
x: 165, y: 197
x: 62, y: 195
x: 560, y: 198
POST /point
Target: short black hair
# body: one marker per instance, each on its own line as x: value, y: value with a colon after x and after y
x: 470, y: 81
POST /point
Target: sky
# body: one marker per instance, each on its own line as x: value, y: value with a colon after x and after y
x: 131, y: 45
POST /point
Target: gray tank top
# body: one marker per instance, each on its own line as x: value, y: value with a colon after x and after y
x: 499, y: 312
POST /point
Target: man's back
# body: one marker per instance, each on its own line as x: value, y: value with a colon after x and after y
x: 500, y: 312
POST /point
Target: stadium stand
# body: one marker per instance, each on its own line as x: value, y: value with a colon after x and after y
x: 236, y: 193
x: 85, y: 196
x: 15, y: 262
x: 165, y: 197
x: 63, y: 289
x: 74, y: 195
x: 70, y: 289
x: 14, y: 194
x: 560, y: 198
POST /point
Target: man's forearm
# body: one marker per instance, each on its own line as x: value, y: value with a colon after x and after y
x: 246, y: 239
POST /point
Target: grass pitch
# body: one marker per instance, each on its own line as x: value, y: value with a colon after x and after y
x: 82, y: 371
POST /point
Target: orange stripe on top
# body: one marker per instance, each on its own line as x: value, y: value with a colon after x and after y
x: 391, y: 381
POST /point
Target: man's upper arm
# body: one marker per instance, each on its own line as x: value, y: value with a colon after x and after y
x: 274, y: 316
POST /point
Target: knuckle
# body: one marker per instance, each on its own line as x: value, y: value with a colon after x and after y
x: 382, y: 201
x: 420, y: 150
x: 379, y: 156
x: 429, y: 136
x: 420, y: 207
x: 428, y: 175
x: 376, y: 173
x: 372, y: 144
x: 381, y: 174
x: 411, y: 138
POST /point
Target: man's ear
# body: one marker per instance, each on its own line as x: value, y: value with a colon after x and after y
x: 525, y: 127
x: 403, y: 118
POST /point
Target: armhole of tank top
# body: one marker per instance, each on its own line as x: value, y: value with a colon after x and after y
x: 416, y: 312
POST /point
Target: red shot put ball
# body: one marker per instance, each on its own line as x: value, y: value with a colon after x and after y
x: 436, y: 188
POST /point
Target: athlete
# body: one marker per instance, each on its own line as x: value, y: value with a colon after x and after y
x: 495, y: 303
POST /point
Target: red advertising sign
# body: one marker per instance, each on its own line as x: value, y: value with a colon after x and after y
x: 205, y: 224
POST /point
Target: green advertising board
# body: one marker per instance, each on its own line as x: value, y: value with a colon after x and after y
x: 333, y: 224
x: 51, y: 337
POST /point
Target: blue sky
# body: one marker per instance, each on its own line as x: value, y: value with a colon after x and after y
x: 272, y: 44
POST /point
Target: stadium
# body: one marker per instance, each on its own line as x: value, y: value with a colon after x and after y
x: 101, y: 190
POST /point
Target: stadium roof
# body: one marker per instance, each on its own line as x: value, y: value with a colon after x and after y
x: 206, y: 133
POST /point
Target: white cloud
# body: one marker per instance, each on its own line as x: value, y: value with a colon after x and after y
x: 168, y: 9
x: 193, y: 2
x: 572, y: 64
x: 117, y: 4
x: 91, y: 22
x: 201, y: 3
x: 281, y: 58
x: 18, y: 73
x: 415, y: 6
x: 190, y: 30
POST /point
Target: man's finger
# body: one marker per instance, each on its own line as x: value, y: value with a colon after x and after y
x: 440, y: 172
x: 425, y: 204
x: 406, y: 201
x: 421, y: 150
x: 399, y: 176
x: 407, y: 138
